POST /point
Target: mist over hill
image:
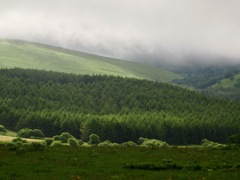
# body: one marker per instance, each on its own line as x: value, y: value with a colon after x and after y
x: 173, y: 32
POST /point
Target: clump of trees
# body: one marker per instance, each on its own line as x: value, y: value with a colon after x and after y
x: 30, y: 133
x: 2, y: 129
x: 210, y: 144
x: 64, y: 139
x: 106, y: 143
x: 21, y: 146
x: 129, y: 144
x: 152, y: 143
x: 94, y: 139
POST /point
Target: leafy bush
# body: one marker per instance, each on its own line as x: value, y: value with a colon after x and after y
x: 37, y: 133
x: 129, y: 144
x: 18, y: 139
x: 26, y: 146
x: 56, y: 138
x: 116, y: 145
x: 94, y: 139
x: 65, y: 136
x: 38, y: 146
x: 80, y: 142
x: 28, y: 133
x: 49, y: 141
x: 25, y: 133
x: 73, y: 142
x: 86, y: 145
x: 59, y: 143
x: 211, y: 144
x: 2, y: 129
x: 152, y: 143
x: 105, y: 144
x: 17, y: 144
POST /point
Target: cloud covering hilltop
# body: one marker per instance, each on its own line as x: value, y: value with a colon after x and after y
x: 173, y: 31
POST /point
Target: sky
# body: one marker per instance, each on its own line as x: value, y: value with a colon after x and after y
x: 150, y: 31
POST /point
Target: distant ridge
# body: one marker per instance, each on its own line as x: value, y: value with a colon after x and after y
x: 30, y: 55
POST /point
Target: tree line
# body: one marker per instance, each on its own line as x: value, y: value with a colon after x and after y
x: 115, y: 108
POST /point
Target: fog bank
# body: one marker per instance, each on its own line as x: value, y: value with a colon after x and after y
x: 156, y: 31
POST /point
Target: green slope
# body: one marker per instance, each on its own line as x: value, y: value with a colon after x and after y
x: 38, y: 56
x: 227, y: 87
x: 217, y: 80
x: 228, y: 82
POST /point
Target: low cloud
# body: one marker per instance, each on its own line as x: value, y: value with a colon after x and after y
x: 160, y: 31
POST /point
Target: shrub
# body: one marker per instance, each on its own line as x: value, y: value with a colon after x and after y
x: 86, y: 145
x: 152, y: 143
x: 18, y: 139
x: 94, y: 139
x: 37, y: 133
x: 73, y: 142
x: 2, y: 129
x: 116, y: 145
x: 80, y: 142
x: 59, y: 143
x: 19, y: 143
x: 27, y: 146
x: 211, y: 144
x: 24, y: 133
x: 65, y: 136
x: 56, y: 138
x: 129, y: 144
x: 12, y: 146
x: 49, y: 141
x: 106, y: 143
x: 28, y: 133
x: 38, y: 146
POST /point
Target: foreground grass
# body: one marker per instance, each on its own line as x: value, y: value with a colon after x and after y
x: 120, y: 163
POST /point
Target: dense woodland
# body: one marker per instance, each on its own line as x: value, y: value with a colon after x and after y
x: 115, y: 108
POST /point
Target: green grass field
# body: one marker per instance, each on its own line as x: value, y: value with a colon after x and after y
x: 227, y: 82
x: 227, y: 87
x: 38, y: 56
x: 120, y: 163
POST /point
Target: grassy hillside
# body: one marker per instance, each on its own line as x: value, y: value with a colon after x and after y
x: 38, y: 56
x: 217, y: 80
x: 228, y: 82
x: 227, y: 87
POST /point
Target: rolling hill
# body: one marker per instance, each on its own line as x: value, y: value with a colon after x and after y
x: 221, y: 80
x: 27, y: 55
x: 227, y: 87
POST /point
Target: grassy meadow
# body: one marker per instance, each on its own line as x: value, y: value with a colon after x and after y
x: 120, y: 163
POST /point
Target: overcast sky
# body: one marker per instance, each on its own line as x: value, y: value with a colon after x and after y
x: 143, y: 30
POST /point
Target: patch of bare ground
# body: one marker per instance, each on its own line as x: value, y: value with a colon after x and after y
x: 9, y: 139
